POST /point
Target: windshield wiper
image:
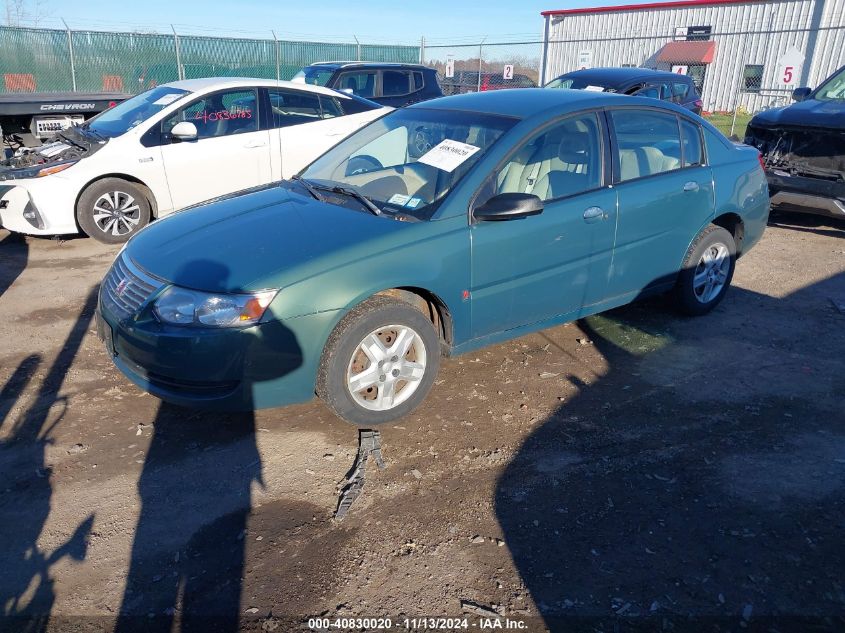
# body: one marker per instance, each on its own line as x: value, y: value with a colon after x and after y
x: 364, y: 200
x: 309, y: 188
x: 88, y: 129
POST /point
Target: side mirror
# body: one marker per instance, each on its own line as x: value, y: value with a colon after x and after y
x: 799, y: 94
x: 184, y: 131
x: 508, y: 206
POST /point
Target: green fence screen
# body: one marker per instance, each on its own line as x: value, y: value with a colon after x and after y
x: 47, y: 60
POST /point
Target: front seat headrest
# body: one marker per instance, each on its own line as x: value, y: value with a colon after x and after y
x: 574, y: 148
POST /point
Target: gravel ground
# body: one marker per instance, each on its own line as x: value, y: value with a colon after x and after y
x: 632, y: 471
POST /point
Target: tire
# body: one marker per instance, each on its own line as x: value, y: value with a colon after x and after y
x: 702, y: 284
x: 382, y: 321
x: 95, y: 210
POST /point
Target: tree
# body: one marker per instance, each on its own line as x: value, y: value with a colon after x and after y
x: 25, y: 12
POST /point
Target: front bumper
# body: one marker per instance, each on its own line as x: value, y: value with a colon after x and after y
x: 267, y: 365
x: 806, y: 195
x: 41, y: 206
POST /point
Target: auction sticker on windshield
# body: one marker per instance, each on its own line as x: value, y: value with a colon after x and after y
x: 168, y: 99
x: 448, y: 155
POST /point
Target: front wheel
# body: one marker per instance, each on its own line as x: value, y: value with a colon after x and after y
x: 112, y: 210
x: 707, y: 272
x: 379, y: 363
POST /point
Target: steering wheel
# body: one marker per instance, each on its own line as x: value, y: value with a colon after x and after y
x: 420, y: 141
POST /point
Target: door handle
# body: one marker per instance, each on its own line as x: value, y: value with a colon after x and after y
x: 254, y: 144
x: 594, y: 214
x: 691, y: 186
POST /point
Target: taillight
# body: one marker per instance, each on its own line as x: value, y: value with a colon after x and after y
x: 112, y: 104
x: 762, y: 162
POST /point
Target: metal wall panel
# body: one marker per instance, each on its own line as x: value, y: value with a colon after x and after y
x: 755, y: 32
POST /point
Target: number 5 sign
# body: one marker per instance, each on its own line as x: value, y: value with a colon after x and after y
x: 789, y: 67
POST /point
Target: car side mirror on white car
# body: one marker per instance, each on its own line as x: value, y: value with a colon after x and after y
x: 184, y: 131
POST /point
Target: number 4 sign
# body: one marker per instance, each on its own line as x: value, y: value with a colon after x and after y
x: 508, y: 74
x: 789, y: 67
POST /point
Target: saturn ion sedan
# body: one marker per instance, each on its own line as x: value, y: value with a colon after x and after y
x: 435, y: 230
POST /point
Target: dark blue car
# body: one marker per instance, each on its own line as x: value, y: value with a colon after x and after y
x: 390, y: 84
x: 643, y: 82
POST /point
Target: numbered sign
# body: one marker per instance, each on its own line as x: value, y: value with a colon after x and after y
x: 450, y: 68
x: 508, y: 73
x: 789, y: 67
x: 680, y: 70
x: 585, y: 59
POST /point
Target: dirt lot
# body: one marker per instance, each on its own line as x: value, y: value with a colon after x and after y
x: 636, y: 470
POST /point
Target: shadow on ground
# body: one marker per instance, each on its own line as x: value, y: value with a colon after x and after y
x: 700, y: 483
x: 14, y: 253
x: 26, y: 584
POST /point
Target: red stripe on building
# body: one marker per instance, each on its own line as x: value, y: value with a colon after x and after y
x: 646, y: 6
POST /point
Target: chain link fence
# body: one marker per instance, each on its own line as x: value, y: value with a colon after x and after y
x: 736, y: 73
x: 484, y: 65
x: 47, y: 60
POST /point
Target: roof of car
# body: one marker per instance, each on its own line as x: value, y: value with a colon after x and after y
x: 618, y: 75
x: 347, y: 64
x: 526, y: 102
x: 214, y: 83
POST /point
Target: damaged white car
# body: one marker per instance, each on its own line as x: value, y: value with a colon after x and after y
x: 171, y: 147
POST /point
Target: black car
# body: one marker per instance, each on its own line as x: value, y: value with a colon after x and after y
x: 803, y: 149
x: 389, y: 84
x: 465, y: 81
x: 642, y: 82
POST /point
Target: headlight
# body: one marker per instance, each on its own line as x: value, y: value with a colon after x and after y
x: 54, y: 169
x: 180, y: 306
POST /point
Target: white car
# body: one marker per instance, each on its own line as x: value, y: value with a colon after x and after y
x: 171, y: 147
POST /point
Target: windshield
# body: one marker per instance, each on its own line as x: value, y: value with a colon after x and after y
x: 124, y: 116
x: 408, y: 161
x: 833, y: 89
x: 314, y: 75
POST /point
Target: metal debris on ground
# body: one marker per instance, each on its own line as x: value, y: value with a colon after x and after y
x: 470, y: 606
x: 369, y: 443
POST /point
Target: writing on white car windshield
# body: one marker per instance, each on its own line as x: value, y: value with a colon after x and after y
x: 132, y: 112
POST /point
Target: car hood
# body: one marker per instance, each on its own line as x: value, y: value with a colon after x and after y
x: 809, y: 113
x: 250, y: 241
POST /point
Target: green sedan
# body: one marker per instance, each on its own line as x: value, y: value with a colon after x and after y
x: 435, y: 230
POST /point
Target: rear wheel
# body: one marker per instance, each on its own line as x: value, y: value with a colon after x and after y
x: 112, y: 210
x: 379, y: 363
x: 707, y: 272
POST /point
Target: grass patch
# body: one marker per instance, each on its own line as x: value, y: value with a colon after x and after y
x: 723, y: 122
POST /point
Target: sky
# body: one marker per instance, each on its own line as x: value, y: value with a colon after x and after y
x: 371, y: 21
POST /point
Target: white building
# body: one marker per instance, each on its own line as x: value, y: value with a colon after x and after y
x: 742, y: 53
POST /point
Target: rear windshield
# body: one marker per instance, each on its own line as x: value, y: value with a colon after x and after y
x: 579, y: 83
x: 314, y: 75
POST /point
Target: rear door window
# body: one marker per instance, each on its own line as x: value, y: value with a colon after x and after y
x: 292, y: 107
x: 395, y: 83
x: 647, y: 143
